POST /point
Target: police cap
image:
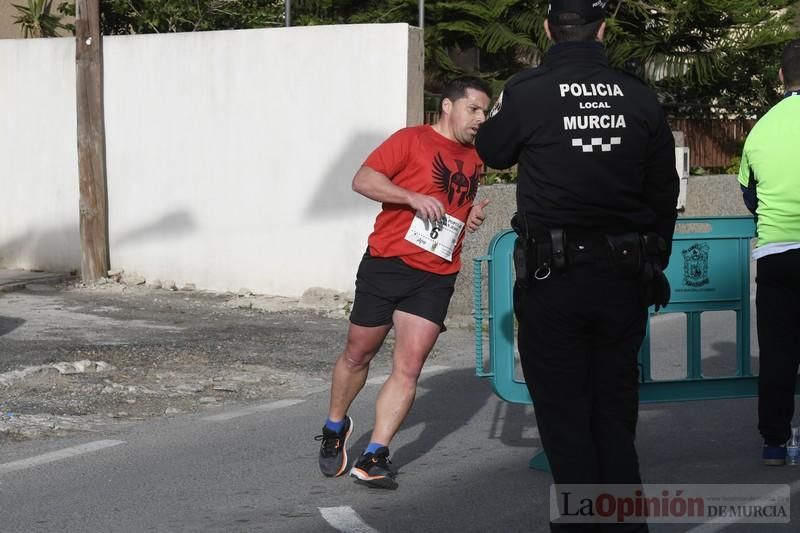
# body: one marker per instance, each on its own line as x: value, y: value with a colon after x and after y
x: 575, y: 12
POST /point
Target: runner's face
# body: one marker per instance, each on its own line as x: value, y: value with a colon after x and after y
x: 467, y: 114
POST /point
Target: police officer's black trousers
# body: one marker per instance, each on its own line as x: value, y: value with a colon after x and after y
x: 778, y: 314
x: 579, y: 335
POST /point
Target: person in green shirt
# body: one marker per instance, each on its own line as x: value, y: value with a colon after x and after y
x: 770, y: 181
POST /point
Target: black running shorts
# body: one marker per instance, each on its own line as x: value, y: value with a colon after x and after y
x: 386, y: 284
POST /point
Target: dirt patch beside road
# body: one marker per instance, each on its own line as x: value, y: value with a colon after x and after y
x: 78, y: 358
x: 75, y: 358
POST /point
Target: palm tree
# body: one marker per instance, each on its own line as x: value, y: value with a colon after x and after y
x: 501, y: 36
x: 704, y: 57
x: 506, y: 35
x: 36, y: 19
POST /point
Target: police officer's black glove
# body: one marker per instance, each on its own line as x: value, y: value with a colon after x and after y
x: 655, y: 249
x: 657, y: 289
x: 656, y: 285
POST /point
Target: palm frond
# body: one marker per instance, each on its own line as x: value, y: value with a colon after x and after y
x: 497, y: 36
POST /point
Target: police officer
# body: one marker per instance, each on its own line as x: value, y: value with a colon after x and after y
x: 596, y: 208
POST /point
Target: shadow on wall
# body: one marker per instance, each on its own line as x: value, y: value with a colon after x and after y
x: 335, y: 194
x: 169, y: 226
x: 60, y: 249
x: 46, y: 250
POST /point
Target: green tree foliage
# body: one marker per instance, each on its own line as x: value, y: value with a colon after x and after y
x: 315, y: 12
x: 493, y: 38
x: 37, y: 20
x: 704, y: 57
x: 505, y: 35
x: 121, y: 17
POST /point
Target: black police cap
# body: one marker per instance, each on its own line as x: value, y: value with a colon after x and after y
x: 575, y: 12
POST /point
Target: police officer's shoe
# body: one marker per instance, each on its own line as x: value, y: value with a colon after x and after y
x: 774, y: 455
x: 373, y: 470
x: 333, y: 450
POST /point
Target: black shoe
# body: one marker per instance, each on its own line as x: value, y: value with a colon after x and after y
x: 333, y: 450
x: 373, y: 470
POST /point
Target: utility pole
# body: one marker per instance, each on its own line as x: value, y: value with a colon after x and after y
x: 288, y: 13
x: 421, y: 14
x: 93, y: 206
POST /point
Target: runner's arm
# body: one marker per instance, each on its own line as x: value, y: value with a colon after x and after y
x: 378, y: 187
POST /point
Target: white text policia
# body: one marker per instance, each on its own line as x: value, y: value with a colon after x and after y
x: 590, y: 89
x: 592, y: 122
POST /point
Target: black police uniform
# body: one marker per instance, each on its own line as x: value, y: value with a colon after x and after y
x: 596, y: 172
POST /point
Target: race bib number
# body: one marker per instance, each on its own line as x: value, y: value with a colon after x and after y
x: 439, y: 237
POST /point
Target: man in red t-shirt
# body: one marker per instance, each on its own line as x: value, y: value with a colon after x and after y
x: 426, y: 178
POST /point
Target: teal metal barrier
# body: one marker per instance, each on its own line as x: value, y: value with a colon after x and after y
x: 709, y: 270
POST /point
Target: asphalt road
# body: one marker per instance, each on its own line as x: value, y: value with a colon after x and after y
x: 462, y: 454
x: 462, y: 457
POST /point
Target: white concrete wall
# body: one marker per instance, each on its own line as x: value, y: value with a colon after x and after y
x: 229, y: 154
x: 38, y: 159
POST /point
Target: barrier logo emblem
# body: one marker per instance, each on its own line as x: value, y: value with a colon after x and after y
x: 695, y: 265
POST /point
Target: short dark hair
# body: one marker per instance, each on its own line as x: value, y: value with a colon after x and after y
x: 457, y: 88
x: 574, y: 32
x: 790, y: 64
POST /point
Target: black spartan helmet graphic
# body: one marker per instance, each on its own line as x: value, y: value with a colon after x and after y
x: 455, y: 182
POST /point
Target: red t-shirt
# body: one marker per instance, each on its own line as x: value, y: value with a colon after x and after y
x: 421, y: 160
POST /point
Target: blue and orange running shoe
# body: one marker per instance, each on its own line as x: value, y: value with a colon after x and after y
x: 373, y: 470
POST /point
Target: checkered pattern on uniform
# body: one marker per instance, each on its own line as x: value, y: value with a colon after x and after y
x: 596, y: 141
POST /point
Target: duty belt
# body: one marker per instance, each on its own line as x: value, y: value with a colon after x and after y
x: 539, y: 250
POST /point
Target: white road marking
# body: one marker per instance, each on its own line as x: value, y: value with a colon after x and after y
x: 58, y: 455
x: 426, y: 371
x: 345, y: 519
x: 716, y: 525
x: 252, y: 410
